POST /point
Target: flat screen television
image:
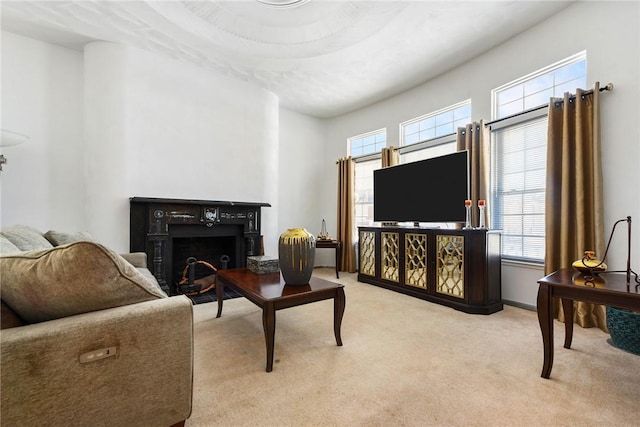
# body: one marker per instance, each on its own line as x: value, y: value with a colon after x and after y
x: 431, y: 190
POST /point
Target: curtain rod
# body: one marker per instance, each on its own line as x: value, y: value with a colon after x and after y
x: 608, y: 87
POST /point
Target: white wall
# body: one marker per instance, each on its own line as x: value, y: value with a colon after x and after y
x: 609, y: 32
x: 162, y: 128
x: 117, y: 122
x: 42, y: 184
x: 301, y: 174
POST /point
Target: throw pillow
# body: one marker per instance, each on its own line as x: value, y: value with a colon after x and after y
x: 66, y: 280
x: 6, y: 247
x: 25, y: 238
x: 58, y: 238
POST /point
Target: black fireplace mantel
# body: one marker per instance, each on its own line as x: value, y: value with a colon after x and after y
x: 155, y: 221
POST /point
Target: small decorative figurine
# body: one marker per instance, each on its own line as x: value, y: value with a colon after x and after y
x: 323, y: 235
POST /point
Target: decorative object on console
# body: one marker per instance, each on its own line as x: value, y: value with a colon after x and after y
x: 262, y: 264
x: 323, y: 235
x: 7, y: 139
x: 467, y: 206
x: 481, y: 207
x: 296, y: 253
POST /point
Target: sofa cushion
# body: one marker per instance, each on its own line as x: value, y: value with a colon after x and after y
x: 8, y: 317
x: 76, y: 278
x: 58, y: 238
x: 25, y: 238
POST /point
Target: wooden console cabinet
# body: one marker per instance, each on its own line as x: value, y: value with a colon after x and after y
x: 457, y: 268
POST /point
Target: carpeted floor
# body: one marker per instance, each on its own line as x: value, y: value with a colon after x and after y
x: 405, y: 362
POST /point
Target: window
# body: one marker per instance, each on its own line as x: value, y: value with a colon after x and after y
x: 436, y: 124
x: 367, y: 143
x: 518, y: 155
x: 535, y: 89
x: 369, y: 146
x: 364, y: 191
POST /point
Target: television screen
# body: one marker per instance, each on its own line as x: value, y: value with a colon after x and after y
x: 431, y: 190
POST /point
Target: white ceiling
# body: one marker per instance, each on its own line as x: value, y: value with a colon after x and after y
x: 321, y: 58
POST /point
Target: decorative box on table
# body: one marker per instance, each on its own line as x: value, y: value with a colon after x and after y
x: 263, y: 264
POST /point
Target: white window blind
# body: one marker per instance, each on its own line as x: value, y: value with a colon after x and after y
x: 518, y: 188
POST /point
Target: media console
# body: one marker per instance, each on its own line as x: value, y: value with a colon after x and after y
x: 457, y: 268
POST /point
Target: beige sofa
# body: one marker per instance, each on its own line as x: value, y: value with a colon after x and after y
x: 87, y: 337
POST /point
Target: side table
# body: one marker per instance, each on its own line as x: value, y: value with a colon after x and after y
x: 331, y: 244
x: 569, y: 286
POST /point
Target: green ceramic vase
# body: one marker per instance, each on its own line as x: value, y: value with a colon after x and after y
x: 296, y: 253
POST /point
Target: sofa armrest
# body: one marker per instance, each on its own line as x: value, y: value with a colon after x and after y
x: 147, y: 382
x: 137, y: 259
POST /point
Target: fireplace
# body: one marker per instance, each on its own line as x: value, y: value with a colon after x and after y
x: 169, y: 231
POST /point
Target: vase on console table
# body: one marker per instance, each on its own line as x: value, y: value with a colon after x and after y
x: 296, y: 254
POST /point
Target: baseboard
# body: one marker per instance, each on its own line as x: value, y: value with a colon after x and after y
x: 520, y: 305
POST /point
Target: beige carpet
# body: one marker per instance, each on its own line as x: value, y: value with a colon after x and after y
x: 407, y: 362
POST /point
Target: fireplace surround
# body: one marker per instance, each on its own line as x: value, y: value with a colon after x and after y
x: 223, y: 233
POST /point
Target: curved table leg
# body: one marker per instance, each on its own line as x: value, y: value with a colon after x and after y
x: 545, y: 318
x: 269, y: 325
x: 338, y: 313
x: 567, y: 307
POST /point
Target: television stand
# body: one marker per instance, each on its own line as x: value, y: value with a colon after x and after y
x: 457, y: 268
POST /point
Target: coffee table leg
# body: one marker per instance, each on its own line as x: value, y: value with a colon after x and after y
x: 269, y: 325
x: 567, y: 307
x: 338, y: 312
x: 545, y: 319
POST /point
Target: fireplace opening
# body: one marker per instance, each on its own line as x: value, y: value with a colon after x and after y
x: 217, y: 251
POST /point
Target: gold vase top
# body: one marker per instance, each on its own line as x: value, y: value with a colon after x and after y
x: 294, y: 235
x: 589, y: 263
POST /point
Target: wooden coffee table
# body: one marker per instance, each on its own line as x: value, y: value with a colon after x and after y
x: 269, y: 292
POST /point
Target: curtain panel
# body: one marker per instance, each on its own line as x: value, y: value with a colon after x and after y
x: 346, y: 213
x: 476, y: 138
x: 390, y: 156
x: 574, y: 207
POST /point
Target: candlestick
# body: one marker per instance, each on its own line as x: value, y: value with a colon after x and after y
x: 481, y: 208
x: 467, y: 206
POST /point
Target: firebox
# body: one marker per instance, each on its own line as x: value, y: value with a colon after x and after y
x: 169, y: 231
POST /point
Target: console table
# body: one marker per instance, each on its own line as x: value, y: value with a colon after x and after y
x: 569, y: 285
x: 457, y: 268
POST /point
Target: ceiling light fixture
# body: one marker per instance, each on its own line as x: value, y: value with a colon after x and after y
x: 282, y: 4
